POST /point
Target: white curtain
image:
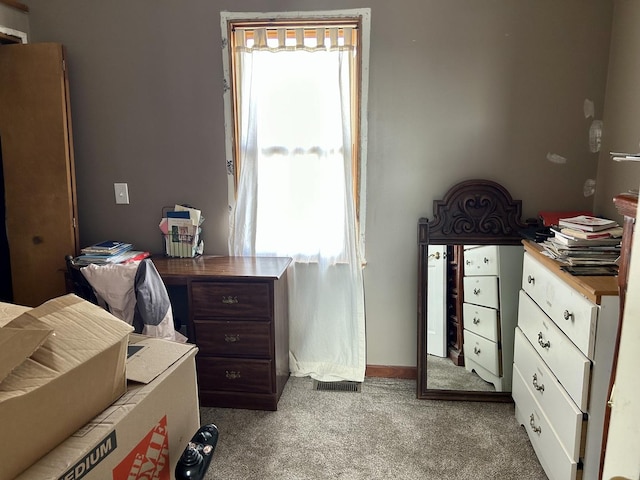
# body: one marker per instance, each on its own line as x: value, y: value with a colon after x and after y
x: 295, y: 195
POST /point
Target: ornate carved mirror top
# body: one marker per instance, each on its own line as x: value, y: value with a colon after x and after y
x: 476, y: 212
x: 472, y: 213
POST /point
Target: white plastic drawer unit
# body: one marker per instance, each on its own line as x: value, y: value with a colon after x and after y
x: 481, y: 260
x: 482, y: 351
x: 568, y: 363
x: 558, y: 407
x: 481, y: 320
x: 481, y: 291
x: 574, y: 314
x: 554, y: 459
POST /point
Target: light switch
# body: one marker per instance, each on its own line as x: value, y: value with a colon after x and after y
x: 122, y: 192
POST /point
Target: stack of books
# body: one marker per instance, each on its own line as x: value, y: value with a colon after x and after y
x: 585, y: 240
x: 109, y: 252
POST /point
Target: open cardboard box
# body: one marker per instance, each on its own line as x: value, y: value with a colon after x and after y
x: 61, y: 364
x: 143, y: 434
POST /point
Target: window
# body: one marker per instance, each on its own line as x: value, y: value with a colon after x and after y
x: 294, y: 125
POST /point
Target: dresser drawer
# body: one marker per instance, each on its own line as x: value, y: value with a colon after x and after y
x: 481, y: 260
x: 558, y: 407
x: 553, y: 457
x: 568, y: 364
x: 481, y: 320
x: 482, y: 351
x: 481, y: 291
x: 231, y: 300
x: 574, y: 314
x: 234, y: 375
x: 217, y: 337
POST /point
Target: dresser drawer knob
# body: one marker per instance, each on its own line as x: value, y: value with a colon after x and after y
x: 468, y: 262
x: 486, y: 260
x: 567, y: 315
x: 540, y: 387
x: 543, y: 344
x: 476, y: 320
x: 531, y: 279
x: 232, y: 375
x: 476, y: 350
x: 229, y: 300
x: 532, y: 422
x: 476, y: 291
x: 231, y: 338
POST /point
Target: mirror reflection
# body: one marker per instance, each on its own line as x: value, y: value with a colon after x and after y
x: 471, y: 315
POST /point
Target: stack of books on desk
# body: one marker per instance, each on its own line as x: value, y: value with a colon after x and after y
x: 585, y: 240
x: 109, y: 252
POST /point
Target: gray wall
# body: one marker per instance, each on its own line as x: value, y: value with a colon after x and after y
x: 14, y: 18
x: 458, y: 89
x: 621, y: 120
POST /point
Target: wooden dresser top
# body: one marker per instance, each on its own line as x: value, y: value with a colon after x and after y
x: 175, y: 271
x: 592, y: 287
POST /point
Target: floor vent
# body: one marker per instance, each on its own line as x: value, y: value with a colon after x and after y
x: 343, y: 386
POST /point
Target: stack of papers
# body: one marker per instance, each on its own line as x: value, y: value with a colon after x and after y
x: 585, y: 240
x: 181, y: 228
x: 109, y: 252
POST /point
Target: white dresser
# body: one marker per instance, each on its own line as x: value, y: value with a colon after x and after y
x: 491, y: 282
x: 563, y: 353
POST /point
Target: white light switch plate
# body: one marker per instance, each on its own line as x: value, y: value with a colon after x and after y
x: 122, y: 192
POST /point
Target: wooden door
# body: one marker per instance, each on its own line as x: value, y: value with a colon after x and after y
x: 38, y: 166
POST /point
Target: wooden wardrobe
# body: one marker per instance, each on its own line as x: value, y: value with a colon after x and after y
x: 40, y: 211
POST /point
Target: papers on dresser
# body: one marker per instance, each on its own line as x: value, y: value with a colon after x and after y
x: 181, y: 230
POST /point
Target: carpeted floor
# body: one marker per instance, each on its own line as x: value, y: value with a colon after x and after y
x: 383, y: 432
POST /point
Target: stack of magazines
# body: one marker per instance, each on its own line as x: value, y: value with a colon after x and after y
x: 109, y: 252
x: 585, y: 240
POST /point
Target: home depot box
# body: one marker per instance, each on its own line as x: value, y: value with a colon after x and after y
x: 143, y: 434
x: 60, y: 365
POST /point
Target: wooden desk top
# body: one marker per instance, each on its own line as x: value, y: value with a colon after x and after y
x: 592, y: 287
x: 177, y: 271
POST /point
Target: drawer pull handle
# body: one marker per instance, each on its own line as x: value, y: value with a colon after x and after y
x: 531, y: 279
x: 567, y: 315
x: 476, y: 320
x: 231, y: 338
x: 546, y: 344
x: 486, y: 260
x: 434, y: 255
x: 229, y: 300
x: 540, y: 387
x: 468, y: 262
x: 231, y: 375
x: 476, y: 350
x: 476, y: 291
x: 532, y: 422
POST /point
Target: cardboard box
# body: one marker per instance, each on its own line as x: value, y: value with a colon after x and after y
x: 143, y: 434
x: 63, y: 363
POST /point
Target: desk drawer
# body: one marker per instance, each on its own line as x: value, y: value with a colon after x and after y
x: 234, y: 375
x: 481, y: 291
x: 574, y: 314
x: 252, y: 339
x: 482, y: 351
x: 553, y: 458
x: 481, y: 260
x: 557, y: 406
x: 231, y: 300
x: 569, y: 365
x: 481, y: 320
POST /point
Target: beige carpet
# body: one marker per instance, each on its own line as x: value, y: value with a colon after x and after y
x: 383, y: 432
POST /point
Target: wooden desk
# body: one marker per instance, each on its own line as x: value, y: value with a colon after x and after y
x: 238, y: 318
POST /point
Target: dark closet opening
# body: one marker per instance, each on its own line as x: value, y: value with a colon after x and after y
x: 6, y: 292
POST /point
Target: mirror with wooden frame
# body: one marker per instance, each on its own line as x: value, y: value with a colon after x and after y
x: 469, y: 274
